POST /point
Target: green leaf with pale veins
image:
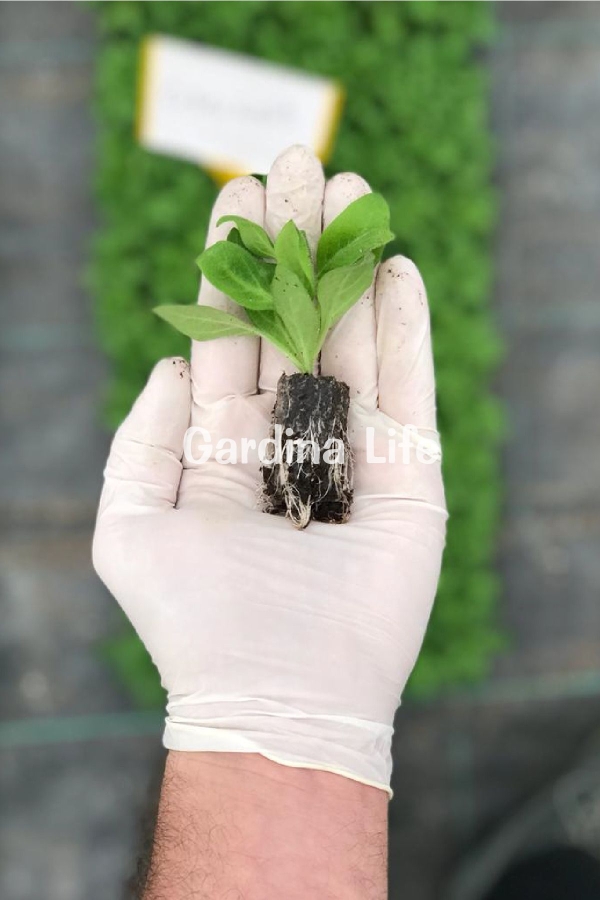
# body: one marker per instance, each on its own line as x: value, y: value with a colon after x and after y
x: 203, y: 323
x: 292, y: 251
x: 238, y: 273
x: 339, y: 289
x: 369, y: 217
x: 254, y: 238
x: 294, y: 306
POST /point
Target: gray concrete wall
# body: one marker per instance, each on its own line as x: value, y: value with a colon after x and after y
x: 70, y: 794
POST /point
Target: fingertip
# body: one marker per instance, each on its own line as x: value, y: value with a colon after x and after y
x: 161, y: 413
x: 297, y: 162
x: 173, y: 365
x: 399, y: 284
x: 401, y: 267
x: 170, y: 375
x: 295, y: 186
x: 243, y: 196
x: 404, y: 353
x: 340, y: 192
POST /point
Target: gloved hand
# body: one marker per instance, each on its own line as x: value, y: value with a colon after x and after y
x: 292, y: 644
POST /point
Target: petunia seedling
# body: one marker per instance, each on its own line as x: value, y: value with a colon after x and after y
x: 292, y: 298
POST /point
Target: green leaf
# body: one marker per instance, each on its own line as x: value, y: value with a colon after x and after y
x: 260, y: 177
x: 338, y: 290
x: 234, y: 237
x: 270, y: 326
x: 238, y: 274
x: 369, y: 216
x: 295, y: 307
x: 292, y: 251
x: 254, y: 238
x: 371, y: 241
x: 203, y: 323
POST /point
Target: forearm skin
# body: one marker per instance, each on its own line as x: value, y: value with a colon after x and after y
x: 236, y: 826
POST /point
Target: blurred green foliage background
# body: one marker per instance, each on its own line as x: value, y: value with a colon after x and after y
x: 415, y: 126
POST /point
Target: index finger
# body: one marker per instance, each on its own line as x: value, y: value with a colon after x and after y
x: 227, y: 366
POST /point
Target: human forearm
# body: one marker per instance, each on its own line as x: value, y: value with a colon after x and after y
x: 233, y: 825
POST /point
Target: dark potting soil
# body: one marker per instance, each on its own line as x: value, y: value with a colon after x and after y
x: 311, y: 473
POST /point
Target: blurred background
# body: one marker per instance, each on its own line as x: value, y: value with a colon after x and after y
x: 507, y: 698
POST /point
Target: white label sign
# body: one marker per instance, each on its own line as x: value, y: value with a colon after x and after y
x: 230, y: 113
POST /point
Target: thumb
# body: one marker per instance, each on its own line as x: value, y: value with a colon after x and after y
x: 144, y: 465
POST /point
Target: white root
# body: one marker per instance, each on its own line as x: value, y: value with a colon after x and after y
x: 339, y: 477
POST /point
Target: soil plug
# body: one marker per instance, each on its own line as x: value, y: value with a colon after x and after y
x: 293, y: 299
x: 310, y: 472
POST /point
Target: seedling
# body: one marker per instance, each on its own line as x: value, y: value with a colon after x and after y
x: 293, y: 299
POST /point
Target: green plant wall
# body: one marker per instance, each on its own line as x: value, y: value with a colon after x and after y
x: 415, y: 125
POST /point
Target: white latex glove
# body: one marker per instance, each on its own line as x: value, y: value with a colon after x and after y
x: 292, y: 644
